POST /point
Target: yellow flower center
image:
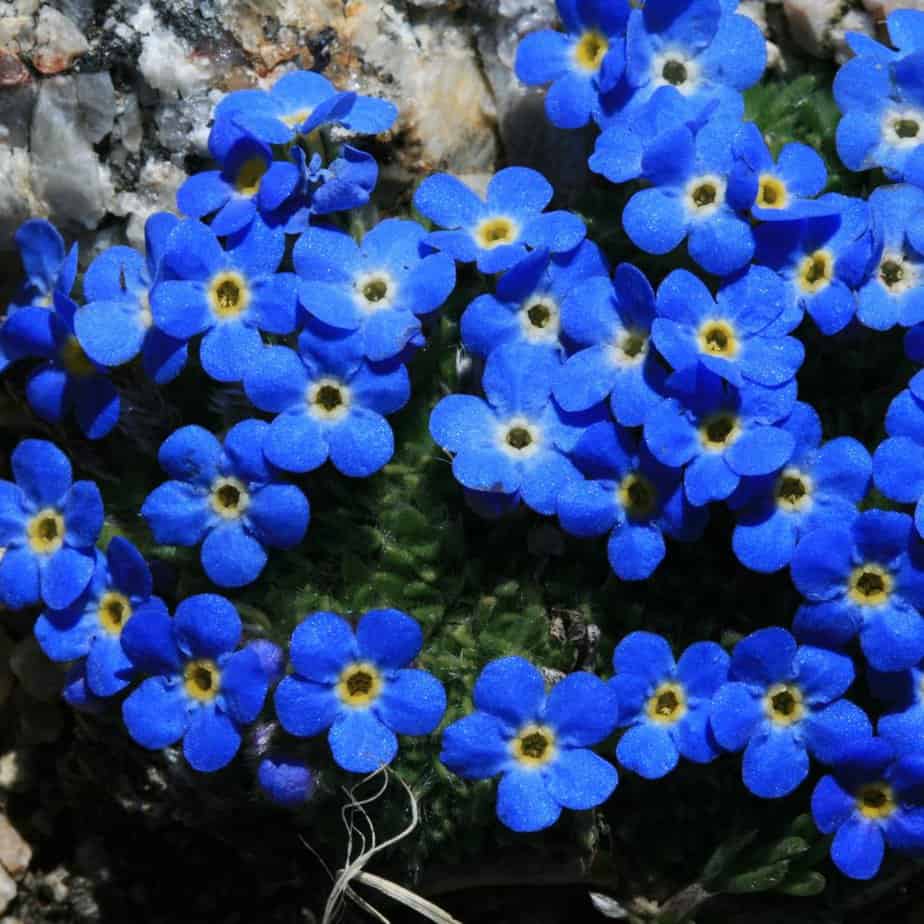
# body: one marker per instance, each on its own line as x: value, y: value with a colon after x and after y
x: 637, y: 495
x: 783, y: 704
x: 328, y: 399
x: 229, y: 295
x: 590, y: 50
x: 869, y: 585
x: 360, y: 684
x: 876, y: 800
x: 249, y: 176
x: 793, y: 490
x: 114, y: 611
x: 534, y: 745
x: 718, y: 339
x: 297, y: 118
x: 202, y: 679
x: 772, y: 192
x: 229, y: 498
x: 816, y: 271
x: 74, y: 360
x: 46, y: 531
x: 718, y: 431
x: 494, y: 232
x: 667, y: 705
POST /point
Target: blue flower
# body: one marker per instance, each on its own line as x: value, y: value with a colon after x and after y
x: 539, y: 743
x: 329, y: 402
x: 781, y: 704
x: 201, y: 688
x: 823, y: 260
x: 869, y: 801
x: 116, y: 323
x: 517, y: 440
x: 228, y: 499
x: 91, y: 627
x: 580, y: 65
x: 786, y: 188
x: 287, y: 781
x: 707, y: 53
x: 67, y: 378
x: 902, y: 721
x: 820, y: 485
x: 76, y: 691
x: 739, y: 335
x: 695, y: 193
x: 894, y: 293
x: 359, y: 687
x: 48, y: 527
x: 297, y: 104
x: 229, y: 295
x: 863, y: 578
x: 665, y: 704
x: 612, y: 322
x: 719, y: 434
x: 379, y: 288
x: 495, y: 233
x: 49, y: 266
x: 879, y: 93
x: 530, y: 300
x: 631, y: 496
x: 898, y: 463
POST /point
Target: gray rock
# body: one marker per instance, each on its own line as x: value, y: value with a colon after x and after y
x: 8, y: 890
x: 15, y: 853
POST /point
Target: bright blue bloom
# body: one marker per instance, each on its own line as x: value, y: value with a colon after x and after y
x: 902, y: 721
x: 612, y: 323
x: 496, y: 232
x: 76, y: 691
x: 530, y: 300
x: 581, y: 64
x: 379, y: 288
x: 869, y: 801
x: 68, y: 378
x: 517, y: 440
x: 894, y: 293
x: 48, y: 527
x: 230, y: 295
x: 879, y: 92
x: 49, y: 266
x: 781, y: 704
x: 665, y: 704
x: 719, y: 434
x: 329, y: 402
x: 91, y: 627
x: 631, y: 496
x: 898, y: 464
x: 786, y: 189
x: 823, y: 260
x: 539, y: 743
x: 739, y: 335
x: 695, y: 193
x: 820, y: 485
x: 116, y: 323
x: 297, y: 104
x: 359, y: 686
x: 227, y: 498
x: 287, y: 781
x: 272, y: 658
x: 708, y: 54
x: 202, y: 688
x: 864, y: 578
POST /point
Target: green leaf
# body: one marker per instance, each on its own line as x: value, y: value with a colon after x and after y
x: 761, y: 879
x: 806, y: 884
x: 725, y: 854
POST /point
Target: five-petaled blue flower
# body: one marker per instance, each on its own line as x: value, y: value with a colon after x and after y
x: 49, y: 266
x: 539, y: 743
x: 380, y: 287
x: 665, y: 704
x: 871, y: 800
x: 329, y: 402
x: 864, y: 578
x: 227, y: 498
x: 202, y: 688
x: 230, y: 295
x: 358, y: 686
x: 91, y: 627
x: 496, y: 232
x: 782, y: 703
x: 48, y: 528
x: 820, y: 485
x: 581, y: 64
x: 631, y: 496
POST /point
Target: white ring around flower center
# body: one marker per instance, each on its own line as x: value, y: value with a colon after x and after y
x: 675, y: 68
x: 903, y: 127
x: 375, y: 291
x: 704, y: 195
x: 540, y: 319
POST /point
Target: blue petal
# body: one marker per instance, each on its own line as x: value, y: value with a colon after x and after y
x: 362, y: 444
x: 211, y: 741
x: 149, y: 642
x: 108, y: 669
x: 82, y: 508
x: 722, y: 243
x: 278, y: 381
x: 42, y: 471
x: 180, y: 308
x: 541, y: 57
x: 176, y: 513
x: 191, y: 454
x: 766, y: 542
x: 64, y: 635
x: 206, y: 626
x: 898, y: 467
x: 831, y: 805
x: 578, y: 779
x: 244, y: 683
x: 644, y: 654
x: 830, y: 730
x: 274, y: 303
x: 648, y: 750
x: 635, y: 550
x: 511, y: 689
x: 736, y: 715
x: 476, y: 746
x: 360, y: 743
x: 65, y: 576
x: 305, y: 708
x: 545, y: 478
x: 279, y: 514
x: 296, y: 443
x: 822, y: 562
x: 703, y: 668
x: 286, y: 781
x: 412, y: 703
x: 155, y: 713
x: 163, y: 357
x: 764, y: 657
x: 858, y: 848
x: 203, y: 193
x: 774, y: 764
x: 447, y: 202
x: 892, y: 637
x: 524, y: 803
x: 388, y: 638
x: 19, y: 579
x: 655, y: 220
x: 110, y: 332
x: 582, y: 709
x: 822, y: 675
x: 760, y: 450
x: 321, y: 646
x: 587, y: 508
x: 229, y: 350
x: 708, y: 478
x: 232, y: 557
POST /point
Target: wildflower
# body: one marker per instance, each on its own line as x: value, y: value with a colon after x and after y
x: 49, y: 266
x: 496, y: 232
x: 863, y: 578
x: 580, y: 64
x: 665, y: 704
x: 870, y: 800
x: 228, y: 499
x: 202, y: 689
x: 286, y: 780
x: 230, y: 295
x: 358, y: 686
x: 781, y: 704
x: 48, y: 527
x: 379, y: 288
x: 819, y: 486
x: 901, y: 722
x: 898, y: 463
x: 91, y: 627
x: 329, y: 402
x: 538, y: 743
x: 631, y: 496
